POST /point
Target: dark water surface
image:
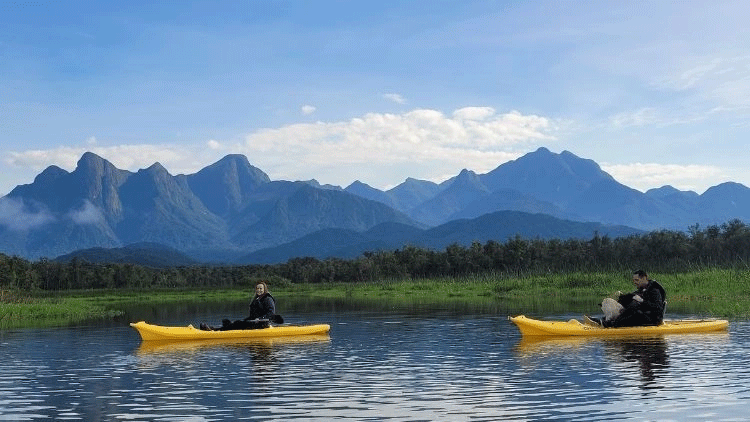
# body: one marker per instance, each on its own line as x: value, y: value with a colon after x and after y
x: 401, y: 365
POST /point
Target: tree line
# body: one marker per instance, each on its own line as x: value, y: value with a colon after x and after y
x: 726, y: 245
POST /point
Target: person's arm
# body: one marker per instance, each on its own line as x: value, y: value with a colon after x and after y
x: 627, y: 300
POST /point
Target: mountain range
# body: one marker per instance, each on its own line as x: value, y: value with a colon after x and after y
x: 232, y: 212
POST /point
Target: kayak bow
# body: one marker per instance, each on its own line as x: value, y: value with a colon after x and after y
x: 535, y: 327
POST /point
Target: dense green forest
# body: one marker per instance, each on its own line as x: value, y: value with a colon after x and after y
x: 727, y: 245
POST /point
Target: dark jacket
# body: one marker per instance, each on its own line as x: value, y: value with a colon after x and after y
x: 263, y: 307
x: 648, y: 312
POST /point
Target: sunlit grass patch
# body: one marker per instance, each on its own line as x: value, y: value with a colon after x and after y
x: 52, y: 312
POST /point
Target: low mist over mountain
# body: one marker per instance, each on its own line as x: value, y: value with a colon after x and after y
x: 231, y: 211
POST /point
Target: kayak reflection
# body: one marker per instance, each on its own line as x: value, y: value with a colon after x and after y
x: 650, y: 353
x: 156, y: 347
x: 647, y: 360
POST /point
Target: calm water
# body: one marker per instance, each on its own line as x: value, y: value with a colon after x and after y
x: 375, y: 365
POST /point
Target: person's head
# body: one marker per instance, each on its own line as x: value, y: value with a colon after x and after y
x: 261, y: 288
x: 640, y: 278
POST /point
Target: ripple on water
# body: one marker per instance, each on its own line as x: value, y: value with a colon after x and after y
x: 381, y: 368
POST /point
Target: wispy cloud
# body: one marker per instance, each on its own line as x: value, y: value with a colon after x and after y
x: 16, y: 216
x: 308, y: 109
x: 87, y: 214
x: 643, y: 117
x: 396, y: 98
x: 644, y: 176
x: 705, y: 84
x: 652, y: 117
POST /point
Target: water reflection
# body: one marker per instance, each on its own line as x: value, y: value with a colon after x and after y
x: 261, y: 354
x: 167, y: 347
x: 642, y: 361
x: 649, y: 353
x: 375, y: 365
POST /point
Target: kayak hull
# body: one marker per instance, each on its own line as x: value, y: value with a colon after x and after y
x: 151, y: 332
x: 534, y: 327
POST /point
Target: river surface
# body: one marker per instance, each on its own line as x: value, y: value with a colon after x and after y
x: 376, y: 365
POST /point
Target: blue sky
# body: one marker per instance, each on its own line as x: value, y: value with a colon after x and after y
x: 656, y: 92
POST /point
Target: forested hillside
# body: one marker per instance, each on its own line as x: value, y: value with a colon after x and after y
x: 727, y: 245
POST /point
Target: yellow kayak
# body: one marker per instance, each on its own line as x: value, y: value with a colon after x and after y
x: 535, y: 327
x: 159, y: 332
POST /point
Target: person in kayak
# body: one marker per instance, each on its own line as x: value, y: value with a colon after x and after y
x: 645, y: 306
x: 262, y: 310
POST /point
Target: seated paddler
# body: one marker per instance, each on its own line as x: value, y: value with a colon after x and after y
x: 262, y: 311
x: 645, y: 306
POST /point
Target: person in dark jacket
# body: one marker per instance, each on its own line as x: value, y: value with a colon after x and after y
x: 645, y: 306
x: 262, y: 310
x: 263, y: 305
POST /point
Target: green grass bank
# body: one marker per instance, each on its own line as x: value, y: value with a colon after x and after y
x: 712, y: 293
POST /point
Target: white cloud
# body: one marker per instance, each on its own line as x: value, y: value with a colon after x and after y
x: 177, y: 159
x: 308, y: 109
x: 381, y: 149
x: 87, y: 214
x: 473, y: 113
x: 644, y: 176
x: 16, y: 216
x: 386, y: 143
x: 396, y: 98
x: 39, y: 159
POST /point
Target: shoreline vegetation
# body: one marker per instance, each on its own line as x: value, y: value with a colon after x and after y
x: 712, y: 292
x: 704, y: 271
